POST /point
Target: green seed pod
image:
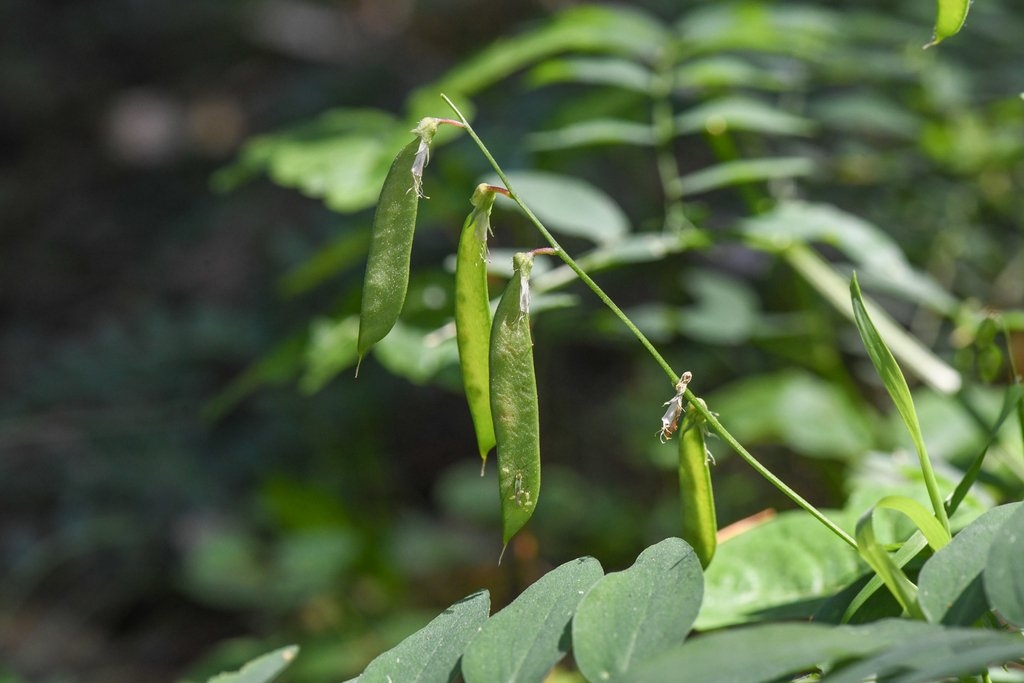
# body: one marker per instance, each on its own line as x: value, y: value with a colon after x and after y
x: 700, y: 527
x: 473, y: 316
x: 514, y: 402
x: 387, y: 268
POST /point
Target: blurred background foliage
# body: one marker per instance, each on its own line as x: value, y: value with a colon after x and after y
x: 190, y: 474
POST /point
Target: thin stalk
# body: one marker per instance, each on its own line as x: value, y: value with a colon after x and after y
x: 712, y: 421
x: 663, y: 122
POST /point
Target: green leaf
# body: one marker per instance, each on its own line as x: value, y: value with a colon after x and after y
x: 415, y: 353
x: 878, y: 258
x: 605, y: 30
x: 875, y: 554
x: 594, y: 132
x: 632, y: 615
x: 770, y: 651
x: 331, y: 349
x: 950, y: 18
x: 727, y: 71
x: 523, y: 641
x: 950, y: 587
x: 789, y: 407
x: 432, y: 653
x: 1004, y: 580
x: 741, y: 113
x: 742, y: 171
x: 896, y: 384
x: 611, y: 71
x: 568, y: 205
x: 262, y: 669
x: 936, y: 654
x: 783, y: 568
x: 928, y: 367
x: 342, y: 157
x: 348, y: 249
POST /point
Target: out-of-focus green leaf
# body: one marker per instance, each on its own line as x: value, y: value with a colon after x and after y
x: 331, y: 349
x: 783, y: 568
x: 416, y: 354
x: 568, y: 205
x: 950, y: 18
x: 341, y: 157
x: 868, y: 246
x: 262, y: 669
x: 612, y: 71
x: 868, y: 114
x: 728, y: 71
x: 734, y: 112
x: 431, y: 655
x: 896, y: 384
x: 726, y: 310
x: 950, y: 586
x: 632, y: 615
x: 790, y: 407
x: 523, y: 641
x: 278, y: 367
x: 821, y: 275
x: 742, y: 171
x: 327, y: 262
x: 793, y: 29
x: 594, y: 132
x: 590, y: 28
x: 1003, y: 577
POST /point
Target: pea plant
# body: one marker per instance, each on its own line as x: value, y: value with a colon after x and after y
x: 932, y: 593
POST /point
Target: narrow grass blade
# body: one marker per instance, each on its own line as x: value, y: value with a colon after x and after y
x: 896, y: 384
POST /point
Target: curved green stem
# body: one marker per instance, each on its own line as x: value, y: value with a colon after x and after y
x: 712, y: 421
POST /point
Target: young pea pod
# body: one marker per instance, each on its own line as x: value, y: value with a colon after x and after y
x: 473, y: 316
x: 387, y: 268
x: 514, y: 402
x: 700, y: 527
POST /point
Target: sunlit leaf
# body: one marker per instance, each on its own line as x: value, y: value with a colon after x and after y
x: 783, y: 568
x: 632, y: 615
x: 524, y: 640
x: 432, y: 654
x: 742, y: 171
x: 262, y: 669
x: 594, y: 132
x: 568, y: 205
x: 610, y: 71
x: 949, y: 19
x: 732, y: 113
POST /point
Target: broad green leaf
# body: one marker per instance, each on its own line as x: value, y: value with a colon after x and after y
x: 728, y: 71
x: 782, y: 568
x: 950, y: 587
x: 611, y: 71
x: 331, y: 349
x: 523, y: 641
x: 936, y: 654
x: 630, y: 616
x: 950, y: 18
x: 928, y: 367
x: 896, y: 384
x: 797, y: 29
x: 767, y: 652
x: 606, y: 30
x: 790, y: 407
x: 1004, y: 576
x: 262, y: 669
x: 568, y: 205
x: 594, y: 132
x: 735, y: 112
x: 432, y: 654
x: 741, y: 172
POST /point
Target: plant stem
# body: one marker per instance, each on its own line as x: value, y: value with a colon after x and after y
x: 662, y: 120
x: 697, y: 405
